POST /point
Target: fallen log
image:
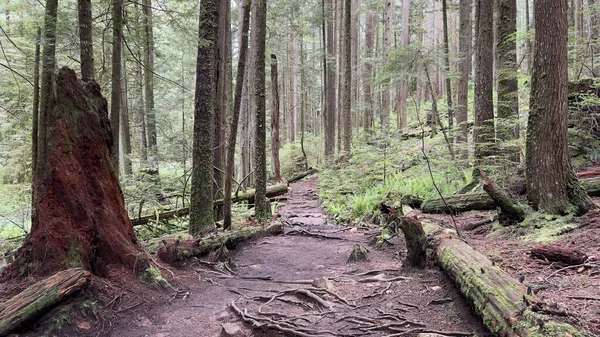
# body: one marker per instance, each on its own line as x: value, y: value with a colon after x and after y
x: 591, y: 185
x: 501, y: 300
x: 477, y: 201
x: 301, y: 175
x: 179, y: 251
x: 555, y: 253
x: 511, y: 212
x: 272, y: 191
x: 38, y: 298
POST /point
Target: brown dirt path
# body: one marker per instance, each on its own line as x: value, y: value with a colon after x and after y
x: 270, y: 270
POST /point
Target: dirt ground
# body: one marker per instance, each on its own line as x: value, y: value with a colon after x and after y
x: 271, y: 280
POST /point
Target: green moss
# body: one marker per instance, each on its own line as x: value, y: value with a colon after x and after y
x: 546, y: 228
x: 540, y: 326
x: 74, y: 257
x: 152, y: 275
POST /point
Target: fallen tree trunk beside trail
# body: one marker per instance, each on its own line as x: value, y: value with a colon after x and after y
x: 502, y: 302
x: 554, y: 253
x: 39, y: 297
x: 302, y: 175
x: 179, y: 251
x: 272, y: 191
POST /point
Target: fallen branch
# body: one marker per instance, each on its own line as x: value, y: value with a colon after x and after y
x: 301, y: 176
x: 554, y: 253
x: 511, y: 212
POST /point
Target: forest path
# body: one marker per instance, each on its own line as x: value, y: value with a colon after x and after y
x: 377, y: 304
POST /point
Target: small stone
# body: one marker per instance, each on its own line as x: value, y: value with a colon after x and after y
x: 223, y: 317
x: 436, y: 288
x: 323, y: 283
x: 231, y: 330
x: 353, y: 230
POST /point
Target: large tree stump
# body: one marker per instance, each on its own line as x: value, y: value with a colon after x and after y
x: 555, y: 253
x: 79, y: 217
x: 272, y: 192
x: 501, y: 300
x: 414, y: 236
x: 36, y: 299
x: 457, y: 203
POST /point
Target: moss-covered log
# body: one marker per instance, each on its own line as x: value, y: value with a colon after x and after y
x: 591, y: 185
x: 502, y: 302
x: 301, y: 175
x: 554, y: 253
x: 36, y: 299
x: 478, y: 201
x: 178, y: 251
x: 511, y: 212
x: 272, y: 191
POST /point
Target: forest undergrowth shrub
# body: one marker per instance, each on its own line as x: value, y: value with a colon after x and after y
x: 292, y: 159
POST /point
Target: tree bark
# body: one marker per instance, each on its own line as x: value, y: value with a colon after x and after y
x: 115, y: 97
x: 201, y: 208
x: 259, y: 27
x: 477, y: 201
x: 464, y: 68
x: 403, y: 94
x: 511, y: 212
x: 35, y: 113
x: 275, y: 119
x: 555, y: 253
x: 139, y: 90
x: 347, y: 76
x: 239, y: 83
x: 368, y: 73
x: 85, y: 38
x: 552, y: 185
x: 330, y: 110
x: 447, y: 64
x: 125, y: 127
x: 148, y: 60
x: 388, y: 36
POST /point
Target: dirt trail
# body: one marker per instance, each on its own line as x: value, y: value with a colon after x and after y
x: 357, y: 303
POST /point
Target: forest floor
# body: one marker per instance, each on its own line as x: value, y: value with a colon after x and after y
x: 271, y: 279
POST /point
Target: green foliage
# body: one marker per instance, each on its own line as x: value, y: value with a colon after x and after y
x: 292, y: 160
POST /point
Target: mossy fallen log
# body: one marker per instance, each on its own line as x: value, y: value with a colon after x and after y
x: 554, y: 253
x: 272, y: 191
x: 178, y: 251
x: 302, y: 175
x: 501, y: 301
x: 38, y: 298
x: 511, y: 212
x: 591, y: 185
x: 476, y: 201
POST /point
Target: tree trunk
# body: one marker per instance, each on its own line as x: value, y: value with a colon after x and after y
x: 347, y: 76
x: 148, y: 61
x: 239, y: 83
x: 561, y: 254
x: 80, y: 217
x: 552, y: 185
x: 511, y: 212
x: 403, y: 94
x: 35, y: 113
x: 38, y: 298
x: 139, y: 90
x: 459, y: 203
x: 508, y: 86
x: 330, y: 110
x: 259, y: 29
x: 115, y: 97
x: 275, y: 119
x: 86, y: 43
x: 201, y: 209
x: 125, y: 127
x: 464, y: 68
x: 368, y: 74
x: 483, y: 132
x: 447, y: 64
x: 388, y: 37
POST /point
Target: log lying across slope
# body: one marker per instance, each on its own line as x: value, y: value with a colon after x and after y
x: 36, y: 299
x: 272, y: 191
x: 502, y: 302
x: 481, y: 201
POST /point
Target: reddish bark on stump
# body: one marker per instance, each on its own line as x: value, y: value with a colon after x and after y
x: 555, y: 253
x: 79, y: 213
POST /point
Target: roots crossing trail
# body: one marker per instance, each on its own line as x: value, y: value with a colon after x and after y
x: 301, y: 284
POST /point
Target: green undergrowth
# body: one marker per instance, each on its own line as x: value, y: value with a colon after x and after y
x: 539, y: 227
x: 383, y: 169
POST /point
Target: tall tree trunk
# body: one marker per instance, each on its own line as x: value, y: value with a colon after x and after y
x: 235, y: 116
x: 368, y: 73
x: 388, y: 37
x: 347, y: 76
x: 125, y: 127
x: 484, y: 84
x: 139, y: 90
x: 594, y: 36
x: 275, y: 119
x: 330, y: 110
x: 403, y: 94
x: 447, y: 64
x: 552, y: 185
x: 464, y: 68
x: 294, y: 92
x: 115, y: 97
x: 148, y: 60
x: 35, y: 113
x: 528, y: 44
x: 259, y: 31
x: 340, y: 73
x: 201, y: 204
x: 508, y: 86
x: 86, y: 43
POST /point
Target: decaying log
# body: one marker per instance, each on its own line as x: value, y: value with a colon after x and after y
x: 591, y: 185
x: 511, y: 212
x: 36, y: 299
x: 178, y: 251
x: 272, y: 191
x: 414, y: 236
x: 478, y: 201
x: 555, y: 253
x: 301, y: 175
x: 501, y: 300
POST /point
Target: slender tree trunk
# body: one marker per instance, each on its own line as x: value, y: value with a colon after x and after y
x: 340, y: 73
x: 447, y: 63
x: 35, y: 112
x: 552, y: 185
x: 388, y: 37
x: 529, y: 49
x: 115, y: 97
x: 139, y: 89
x: 125, y: 127
x: 85, y: 38
x: 294, y: 84
x: 235, y: 116
x: 594, y: 35
x: 484, y: 84
x: 368, y: 74
x: 275, y: 119
x: 259, y: 29
x: 508, y: 86
x: 464, y: 68
x: 347, y: 76
x: 148, y: 60
x: 201, y: 205
x: 403, y: 94
x: 330, y: 83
